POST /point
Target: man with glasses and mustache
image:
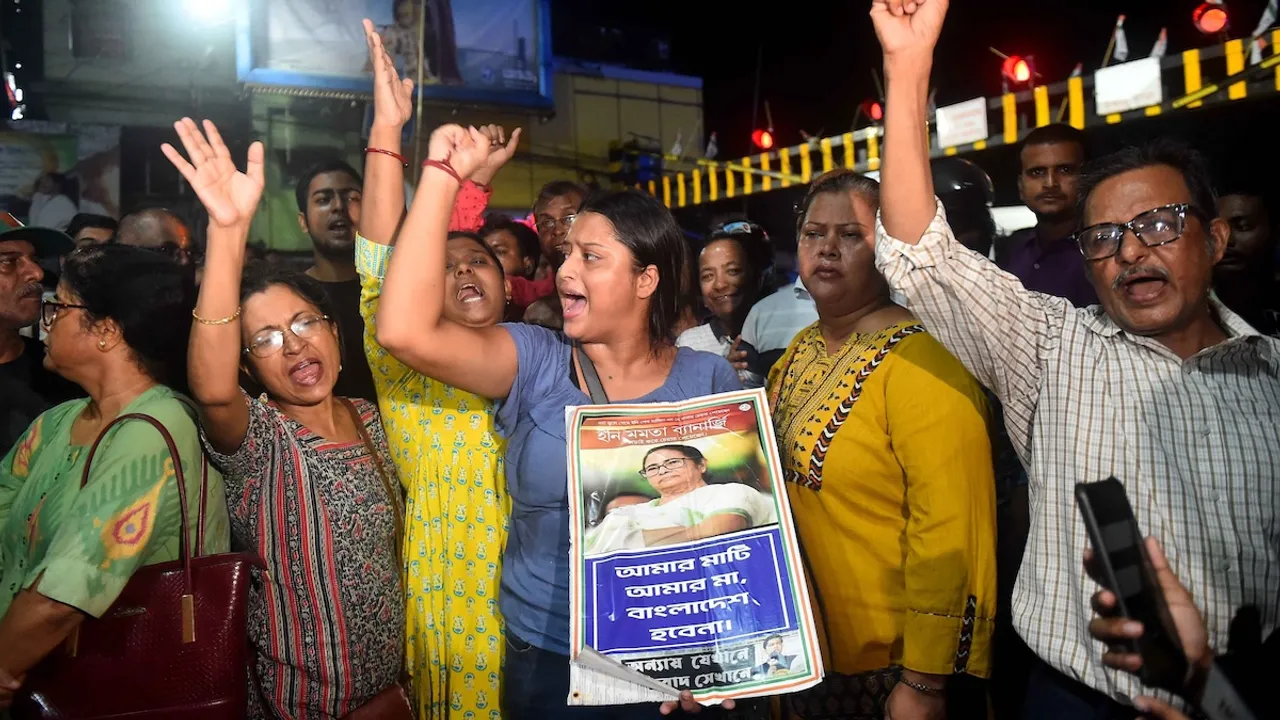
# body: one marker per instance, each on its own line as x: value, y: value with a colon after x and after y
x: 1160, y: 386
x: 26, y: 387
x: 1045, y: 257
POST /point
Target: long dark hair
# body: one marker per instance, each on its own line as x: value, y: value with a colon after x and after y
x: 147, y: 294
x: 654, y: 238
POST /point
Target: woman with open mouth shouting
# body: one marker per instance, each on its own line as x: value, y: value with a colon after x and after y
x: 443, y: 439
x: 621, y: 286
x: 310, y: 485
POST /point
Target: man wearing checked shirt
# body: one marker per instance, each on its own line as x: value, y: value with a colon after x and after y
x: 1160, y: 386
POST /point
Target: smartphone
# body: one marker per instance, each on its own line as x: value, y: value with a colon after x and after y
x: 1122, y: 555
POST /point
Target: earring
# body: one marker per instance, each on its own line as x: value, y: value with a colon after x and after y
x: 102, y: 344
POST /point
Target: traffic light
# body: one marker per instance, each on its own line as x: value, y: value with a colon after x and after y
x: 1017, y: 69
x: 762, y: 138
x: 1210, y: 17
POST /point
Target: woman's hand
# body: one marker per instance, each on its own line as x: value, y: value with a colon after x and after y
x: 907, y: 703
x: 392, y: 97
x: 471, y: 151
x: 688, y: 704
x: 230, y: 196
x: 737, y: 358
x: 908, y: 27
x: 503, y: 150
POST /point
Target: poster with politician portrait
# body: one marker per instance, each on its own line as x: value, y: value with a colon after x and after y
x: 685, y: 570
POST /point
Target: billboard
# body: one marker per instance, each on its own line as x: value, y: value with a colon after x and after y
x: 479, y: 51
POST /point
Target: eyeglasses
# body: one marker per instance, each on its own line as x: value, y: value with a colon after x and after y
x: 550, y: 223
x: 1159, y: 226
x: 670, y: 465
x: 270, y: 342
x: 49, y: 311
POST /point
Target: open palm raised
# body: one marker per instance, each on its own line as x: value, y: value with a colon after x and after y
x: 230, y: 196
x: 392, y: 96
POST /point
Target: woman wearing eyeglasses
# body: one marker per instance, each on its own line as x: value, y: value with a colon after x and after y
x: 306, y: 471
x: 67, y: 551
x: 687, y: 508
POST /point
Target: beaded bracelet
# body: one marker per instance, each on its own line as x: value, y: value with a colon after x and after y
x: 389, y: 153
x: 220, y: 321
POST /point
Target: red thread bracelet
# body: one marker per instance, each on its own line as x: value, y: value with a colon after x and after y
x: 389, y: 153
x: 442, y: 165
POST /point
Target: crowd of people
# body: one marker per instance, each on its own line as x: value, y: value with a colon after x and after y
x: 386, y: 429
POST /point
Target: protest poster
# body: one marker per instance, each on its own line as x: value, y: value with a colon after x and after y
x: 685, y: 570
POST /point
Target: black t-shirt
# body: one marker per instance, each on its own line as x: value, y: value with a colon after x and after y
x: 29, y: 389
x: 355, y: 380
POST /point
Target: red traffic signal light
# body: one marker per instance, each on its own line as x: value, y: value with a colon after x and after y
x: 1210, y: 17
x: 1016, y: 69
x: 762, y: 138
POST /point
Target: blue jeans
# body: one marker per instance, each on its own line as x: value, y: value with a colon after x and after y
x: 535, y: 685
x: 1054, y: 696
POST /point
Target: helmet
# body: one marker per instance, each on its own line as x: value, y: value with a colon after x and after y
x: 954, y: 176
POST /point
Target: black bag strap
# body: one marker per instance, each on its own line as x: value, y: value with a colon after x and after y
x: 594, y: 387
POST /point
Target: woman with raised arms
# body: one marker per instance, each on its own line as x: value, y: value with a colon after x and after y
x: 621, y: 291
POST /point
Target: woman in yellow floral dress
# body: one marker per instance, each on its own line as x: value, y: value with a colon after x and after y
x: 443, y: 442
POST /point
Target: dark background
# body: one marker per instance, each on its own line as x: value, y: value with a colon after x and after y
x: 816, y: 63
x: 818, y: 56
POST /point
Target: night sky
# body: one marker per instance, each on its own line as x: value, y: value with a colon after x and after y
x: 817, y: 66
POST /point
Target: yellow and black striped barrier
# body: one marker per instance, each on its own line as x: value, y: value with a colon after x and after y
x: 710, y: 180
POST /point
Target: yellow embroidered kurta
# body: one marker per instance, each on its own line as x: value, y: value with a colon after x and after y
x: 888, y: 467
x: 450, y: 460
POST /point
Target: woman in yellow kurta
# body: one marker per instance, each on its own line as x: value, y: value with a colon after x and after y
x: 447, y: 452
x: 884, y: 444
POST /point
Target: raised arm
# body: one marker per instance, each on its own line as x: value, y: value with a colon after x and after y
x: 383, y: 194
x: 410, y: 318
x: 906, y: 190
x: 230, y: 197
x: 1001, y: 331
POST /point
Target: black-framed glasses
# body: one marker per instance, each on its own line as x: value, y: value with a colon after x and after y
x: 49, y: 311
x: 549, y: 223
x: 270, y: 342
x: 670, y: 465
x: 1153, y: 228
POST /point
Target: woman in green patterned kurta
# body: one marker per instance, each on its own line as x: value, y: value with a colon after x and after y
x: 66, y: 552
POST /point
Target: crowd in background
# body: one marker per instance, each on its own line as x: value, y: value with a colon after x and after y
x: 386, y: 427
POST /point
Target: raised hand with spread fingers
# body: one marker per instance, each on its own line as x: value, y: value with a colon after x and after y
x: 229, y: 195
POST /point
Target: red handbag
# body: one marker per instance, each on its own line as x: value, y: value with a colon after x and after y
x: 173, y: 645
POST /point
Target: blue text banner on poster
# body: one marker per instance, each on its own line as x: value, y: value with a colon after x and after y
x: 733, y: 586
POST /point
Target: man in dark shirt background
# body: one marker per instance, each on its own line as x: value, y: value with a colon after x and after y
x: 26, y: 387
x: 1245, y: 278
x: 1045, y: 258
x: 328, y: 198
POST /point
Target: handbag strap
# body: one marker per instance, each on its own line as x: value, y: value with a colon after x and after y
x: 392, y: 494
x: 594, y: 387
x: 184, y: 546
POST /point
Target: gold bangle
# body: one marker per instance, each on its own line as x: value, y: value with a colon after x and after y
x: 220, y: 321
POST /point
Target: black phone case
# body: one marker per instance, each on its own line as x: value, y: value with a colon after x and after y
x: 1137, y: 590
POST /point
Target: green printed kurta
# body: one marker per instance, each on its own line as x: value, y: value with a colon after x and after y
x: 83, y: 545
